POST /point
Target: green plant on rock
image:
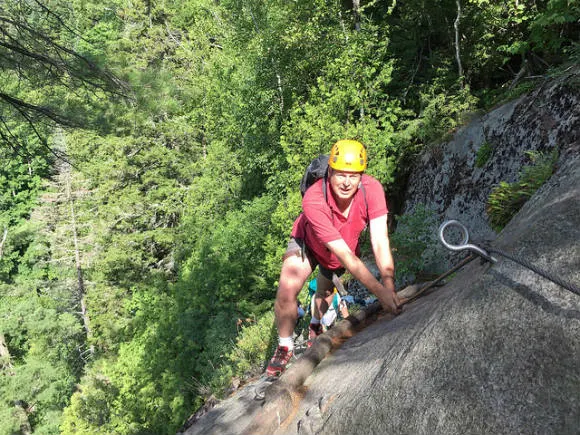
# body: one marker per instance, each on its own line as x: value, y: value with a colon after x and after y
x: 253, y: 346
x: 411, y: 240
x: 484, y: 153
x: 505, y: 200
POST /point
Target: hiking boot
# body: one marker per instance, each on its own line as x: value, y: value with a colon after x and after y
x: 314, y: 330
x: 279, y: 361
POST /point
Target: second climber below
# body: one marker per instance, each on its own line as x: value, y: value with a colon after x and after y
x: 326, y: 235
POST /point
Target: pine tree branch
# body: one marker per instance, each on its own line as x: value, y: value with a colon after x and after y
x: 24, y: 107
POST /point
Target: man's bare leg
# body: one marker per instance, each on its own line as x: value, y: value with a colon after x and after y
x: 295, y: 272
x: 323, y: 284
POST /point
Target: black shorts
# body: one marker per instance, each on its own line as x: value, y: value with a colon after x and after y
x: 298, y: 247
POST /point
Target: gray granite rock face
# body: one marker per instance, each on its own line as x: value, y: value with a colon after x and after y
x: 232, y: 415
x: 446, y: 178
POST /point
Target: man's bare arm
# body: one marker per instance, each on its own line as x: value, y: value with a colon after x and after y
x: 382, y: 252
x: 357, y: 268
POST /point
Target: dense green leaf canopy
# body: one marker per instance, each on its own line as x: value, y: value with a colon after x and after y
x: 138, y: 273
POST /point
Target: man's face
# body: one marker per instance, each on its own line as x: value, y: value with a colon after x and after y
x: 344, y: 184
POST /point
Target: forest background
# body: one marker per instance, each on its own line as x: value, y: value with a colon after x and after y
x: 151, y: 156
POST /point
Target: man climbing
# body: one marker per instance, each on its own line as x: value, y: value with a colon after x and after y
x: 336, y: 209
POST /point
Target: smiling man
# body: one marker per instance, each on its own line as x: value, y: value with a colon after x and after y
x: 327, y: 235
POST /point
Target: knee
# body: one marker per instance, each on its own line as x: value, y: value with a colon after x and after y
x: 292, y: 278
x: 287, y: 294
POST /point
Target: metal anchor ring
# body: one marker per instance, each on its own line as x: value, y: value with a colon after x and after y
x: 464, y: 244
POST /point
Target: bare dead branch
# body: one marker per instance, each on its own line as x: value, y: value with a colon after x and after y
x: 519, y: 75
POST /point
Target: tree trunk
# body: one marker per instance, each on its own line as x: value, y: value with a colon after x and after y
x: 3, y: 240
x: 280, y: 90
x: 69, y: 199
x: 357, y: 27
x: 5, y: 358
x: 356, y: 14
x: 80, y: 281
x: 457, y: 49
x: 343, y: 27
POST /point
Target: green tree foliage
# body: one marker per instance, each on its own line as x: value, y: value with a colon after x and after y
x: 184, y: 195
x: 44, y: 345
x: 358, y: 108
x: 48, y: 79
x: 415, y: 234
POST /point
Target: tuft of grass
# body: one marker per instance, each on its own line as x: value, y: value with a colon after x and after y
x: 483, y: 155
x: 505, y: 200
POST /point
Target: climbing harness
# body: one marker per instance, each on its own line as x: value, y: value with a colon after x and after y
x: 486, y: 254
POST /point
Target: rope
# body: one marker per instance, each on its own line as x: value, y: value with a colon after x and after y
x: 547, y: 275
x: 431, y: 284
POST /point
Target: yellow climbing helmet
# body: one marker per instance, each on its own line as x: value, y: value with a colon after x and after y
x: 348, y: 155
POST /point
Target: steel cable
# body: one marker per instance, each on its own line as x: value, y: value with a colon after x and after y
x: 547, y: 275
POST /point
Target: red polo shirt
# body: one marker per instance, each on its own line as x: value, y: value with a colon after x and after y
x: 321, y: 221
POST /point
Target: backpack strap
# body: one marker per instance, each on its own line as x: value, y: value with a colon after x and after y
x: 324, y: 188
x: 362, y: 187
